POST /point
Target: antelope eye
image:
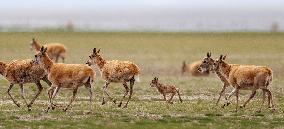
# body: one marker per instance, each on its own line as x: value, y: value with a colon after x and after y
x: 204, y: 61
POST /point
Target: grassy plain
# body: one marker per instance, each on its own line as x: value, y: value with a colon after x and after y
x: 157, y: 54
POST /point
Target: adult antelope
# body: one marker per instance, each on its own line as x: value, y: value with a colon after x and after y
x: 117, y: 72
x: 54, y: 51
x: 22, y: 72
x: 70, y: 76
x: 243, y: 77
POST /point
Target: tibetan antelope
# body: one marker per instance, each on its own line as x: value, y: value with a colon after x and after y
x: 54, y: 50
x: 117, y: 72
x: 166, y: 89
x: 70, y: 76
x: 193, y: 69
x: 207, y: 65
x: 246, y: 77
x: 22, y: 72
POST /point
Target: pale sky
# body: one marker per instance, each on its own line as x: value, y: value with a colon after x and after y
x: 18, y: 5
x: 151, y: 14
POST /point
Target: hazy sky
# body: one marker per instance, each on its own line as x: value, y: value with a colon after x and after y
x: 127, y: 14
x: 18, y: 5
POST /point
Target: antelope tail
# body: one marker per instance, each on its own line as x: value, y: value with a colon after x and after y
x: 136, y: 77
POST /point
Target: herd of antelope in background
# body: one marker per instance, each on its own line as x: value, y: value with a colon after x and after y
x: 45, y: 67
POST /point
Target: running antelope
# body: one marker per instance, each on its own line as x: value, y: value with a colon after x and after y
x: 246, y: 77
x: 70, y: 76
x: 117, y: 72
x: 166, y: 89
x: 207, y: 65
x: 22, y: 72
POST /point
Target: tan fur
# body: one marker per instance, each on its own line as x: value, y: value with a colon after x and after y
x: 3, y: 66
x: 207, y: 65
x: 193, y: 69
x: 115, y: 71
x: 54, y: 50
x: 166, y: 89
x: 70, y: 75
x: 119, y: 71
x: 21, y: 72
x: 246, y: 77
x: 65, y: 76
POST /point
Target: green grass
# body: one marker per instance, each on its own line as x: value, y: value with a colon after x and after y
x: 157, y: 54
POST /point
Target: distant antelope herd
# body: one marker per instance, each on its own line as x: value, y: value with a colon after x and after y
x: 45, y: 67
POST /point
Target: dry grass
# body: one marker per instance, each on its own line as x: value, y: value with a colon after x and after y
x: 157, y: 54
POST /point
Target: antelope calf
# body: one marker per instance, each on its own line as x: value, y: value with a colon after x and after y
x: 165, y: 89
x: 22, y: 72
x: 70, y: 76
x: 117, y: 72
x: 54, y: 51
x: 193, y: 69
x: 246, y: 77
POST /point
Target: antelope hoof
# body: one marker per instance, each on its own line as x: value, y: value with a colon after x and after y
x: 125, y: 106
x: 228, y: 103
x: 29, y: 108
x: 271, y: 108
x: 52, y: 106
x: 18, y: 105
x: 65, y: 109
x: 171, y: 102
x: 103, y: 102
x: 119, y: 105
x: 243, y: 106
x: 46, y: 111
x: 114, y: 101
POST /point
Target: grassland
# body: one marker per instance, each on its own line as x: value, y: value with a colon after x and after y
x: 157, y: 54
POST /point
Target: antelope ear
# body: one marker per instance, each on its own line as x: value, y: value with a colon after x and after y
x: 33, y: 39
x: 42, y: 49
x: 224, y: 57
x: 45, y: 49
x: 208, y: 54
x: 221, y: 57
x: 94, y: 50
